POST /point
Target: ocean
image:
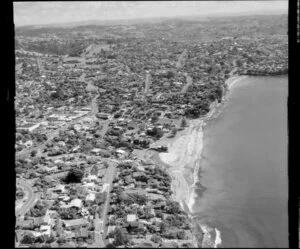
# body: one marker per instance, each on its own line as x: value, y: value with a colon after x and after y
x: 242, y: 192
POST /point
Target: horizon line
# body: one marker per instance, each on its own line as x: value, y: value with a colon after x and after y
x: 221, y: 14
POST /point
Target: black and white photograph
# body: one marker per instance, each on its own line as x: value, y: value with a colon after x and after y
x: 151, y: 124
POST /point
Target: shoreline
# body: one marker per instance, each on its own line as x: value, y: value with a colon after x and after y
x: 182, y: 162
x: 176, y: 160
x: 184, y: 156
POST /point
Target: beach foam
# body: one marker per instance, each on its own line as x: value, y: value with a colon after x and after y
x: 192, y: 200
x: 218, y: 240
x: 233, y: 80
x: 207, y: 241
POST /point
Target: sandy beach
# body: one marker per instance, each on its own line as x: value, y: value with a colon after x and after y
x: 233, y: 80
x: 184, y: 156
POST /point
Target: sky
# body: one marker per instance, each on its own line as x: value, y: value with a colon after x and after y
x: 39, y: 13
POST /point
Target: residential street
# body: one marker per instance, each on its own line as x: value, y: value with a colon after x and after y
x: 110, y: 175
x: 189, y: 81
x: 99, y: 243
x: 31, y: 198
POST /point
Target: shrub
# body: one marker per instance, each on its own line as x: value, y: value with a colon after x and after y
x: 33, y: 153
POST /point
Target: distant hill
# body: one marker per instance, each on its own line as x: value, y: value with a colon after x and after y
x: 91, y: 39
x: 145, y: 20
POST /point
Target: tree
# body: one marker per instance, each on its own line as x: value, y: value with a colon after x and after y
x: 75, y: 175
x: 180, y: 235
x: 162, y: 227
x: 33, y: 153
x: 61, y: 240
x: 155, y: 132
x: 156, y: 239
x: 87, y: 147
x: 120, y: 237
x: 106, y: 165
x: 187, y: 245
x: 28, y: 238
x: 154, y: 119
x: 39, y: 209
x: 218, y: 92
x: 239, y: 63
x: 169, y: 74
x: 109, y: 245
x: 94, y: 170
x: 173, y: 207
x: 20, y: 170
x: 183, y: 122
x: 140, y: 199
x: 100, y: 198
x: 173, y: 132
x: 49, y: 239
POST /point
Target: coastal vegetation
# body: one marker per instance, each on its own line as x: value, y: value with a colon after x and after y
x: 141, y: 206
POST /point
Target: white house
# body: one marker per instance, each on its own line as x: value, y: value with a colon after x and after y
x: 131, y: 218
x: 90, y: 185
x: 45, y: 230
x: 76, y: 203
x: 90, y: 197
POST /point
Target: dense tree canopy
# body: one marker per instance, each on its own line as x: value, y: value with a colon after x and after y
x: 75, y: 175
x: 120, y: 237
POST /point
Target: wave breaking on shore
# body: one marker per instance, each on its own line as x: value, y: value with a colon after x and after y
x: 184, y: 156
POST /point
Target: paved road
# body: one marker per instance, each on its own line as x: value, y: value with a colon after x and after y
x: 189, y: 81
x: 181, y: 59
x: 98, y: 243
x: 147, y: 82
x: 31, y: 198
x: 40, y: 65
x: 110, y: 175
x: 100, y: 224
x: 94, y: 105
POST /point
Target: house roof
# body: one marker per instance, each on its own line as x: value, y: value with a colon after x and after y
x: 120, y: 151
x: 45, y: 227
x: 76, y: 203
x: 38, y: 221
x: 76, y: 222
x: 153, y: 196
x: 131, y: 217
x: 59, y: 187
x: 90, y: 197
x: 110, y: 229
x: 89, y: 184
x: 82, y: 232
x: 169, y: 244
x: 36, y: 234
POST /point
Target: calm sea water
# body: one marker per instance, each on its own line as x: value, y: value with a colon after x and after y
x: 243, y: 190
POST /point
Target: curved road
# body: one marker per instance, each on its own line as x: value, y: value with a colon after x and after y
x: 31, y: 197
